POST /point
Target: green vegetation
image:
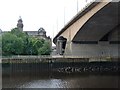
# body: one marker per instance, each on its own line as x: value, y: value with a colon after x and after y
x: 19, y: 43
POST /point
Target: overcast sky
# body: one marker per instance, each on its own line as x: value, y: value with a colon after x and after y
x: 49, y: 14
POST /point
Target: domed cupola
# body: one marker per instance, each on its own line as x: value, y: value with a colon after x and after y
x: 42, y: 31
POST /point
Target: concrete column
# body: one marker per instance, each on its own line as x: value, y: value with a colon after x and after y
x: 60, y: 47
x: 61, y: 42
x: 57, y: 47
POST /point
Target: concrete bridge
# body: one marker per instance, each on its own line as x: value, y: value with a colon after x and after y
x: 93, y: 32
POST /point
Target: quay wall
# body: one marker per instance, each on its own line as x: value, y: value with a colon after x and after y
x: 59, y: 65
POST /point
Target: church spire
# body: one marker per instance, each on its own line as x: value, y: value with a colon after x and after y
x: 20, y: 24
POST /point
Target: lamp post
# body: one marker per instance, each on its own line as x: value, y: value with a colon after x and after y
x: 77, y: 6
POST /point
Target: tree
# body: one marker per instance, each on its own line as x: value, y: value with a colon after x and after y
x: 18, y: 33
x: 31, y: 49
x: 18, y: 46
x: 46, y: 49
x: 11, y: 44
x: 19, y: 43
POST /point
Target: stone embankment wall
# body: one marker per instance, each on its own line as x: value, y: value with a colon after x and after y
x: 61, y: 65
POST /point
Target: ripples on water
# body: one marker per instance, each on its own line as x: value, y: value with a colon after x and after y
x: 52, y: 83
x: 66, y: 81
x: 32, y: 76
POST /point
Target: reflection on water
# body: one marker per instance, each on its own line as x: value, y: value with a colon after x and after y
x: 58, y: 81
x: 45, y: 75
x: 52, y: 83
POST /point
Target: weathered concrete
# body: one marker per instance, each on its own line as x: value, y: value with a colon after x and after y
x: 94, y: 32
x: 101, y: 23
x: 102, y: 49
x: 71, y: 29
x: 61, y: 67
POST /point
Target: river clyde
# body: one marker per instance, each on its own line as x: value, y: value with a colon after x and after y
x: 60, y: 81
x: 53, y: 74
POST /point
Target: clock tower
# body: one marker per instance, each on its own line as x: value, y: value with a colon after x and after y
x: 20, y: 24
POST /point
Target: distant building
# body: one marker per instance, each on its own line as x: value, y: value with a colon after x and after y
x: 54, y: 52
x: 20, y: 24
x: 40, y: 33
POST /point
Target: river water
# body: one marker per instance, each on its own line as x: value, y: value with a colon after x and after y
x: 42, y: 75
x: 60, y: 81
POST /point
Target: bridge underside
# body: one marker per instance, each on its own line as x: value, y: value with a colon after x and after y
x: 103, y: 26
x: 99, y: 36
x: 96, y: 33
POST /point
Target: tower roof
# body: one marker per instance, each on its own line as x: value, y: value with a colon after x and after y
x: 41, y: 30
x: 20, y: 24
x: 20, y: 19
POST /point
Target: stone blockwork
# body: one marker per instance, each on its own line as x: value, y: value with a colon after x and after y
x: 102, y: 49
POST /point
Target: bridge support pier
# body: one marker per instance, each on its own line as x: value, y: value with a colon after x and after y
x: 61, y: 43
x: 102, y: 49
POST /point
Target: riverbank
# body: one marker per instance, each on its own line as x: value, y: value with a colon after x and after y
x: 59, y: 65
x: 37, y: 59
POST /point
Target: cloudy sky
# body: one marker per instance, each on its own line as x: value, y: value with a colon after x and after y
x: 49, y: 14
